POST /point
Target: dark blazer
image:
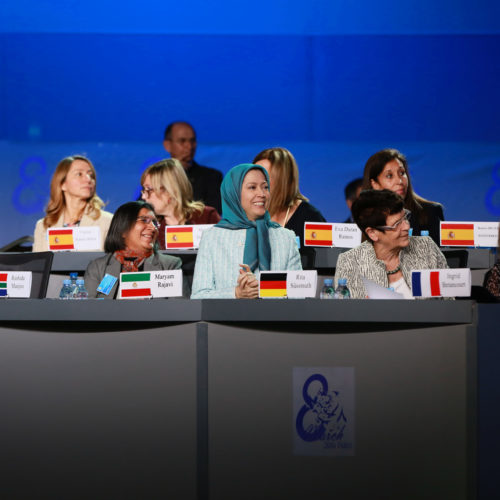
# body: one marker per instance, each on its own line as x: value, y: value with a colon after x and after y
x: 305, y: 213
x: 434, y: 213
x: 206, y: 183
x: 98, y: 268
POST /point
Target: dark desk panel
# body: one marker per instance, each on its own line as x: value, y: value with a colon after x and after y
x: 194, y: 399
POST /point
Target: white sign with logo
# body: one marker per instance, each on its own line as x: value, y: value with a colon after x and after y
x: 323, y: 411
x: 346, y: 235
x: 15, y: 284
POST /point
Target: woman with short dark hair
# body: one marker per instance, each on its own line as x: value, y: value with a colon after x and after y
x: 130, y: 246
x: 389, y: 254
x: 388, y: 169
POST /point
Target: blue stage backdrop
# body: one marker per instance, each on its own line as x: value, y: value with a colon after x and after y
x: 333, y: 81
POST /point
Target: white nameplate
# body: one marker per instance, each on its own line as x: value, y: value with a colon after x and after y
x: 287, y: 284
x: 15, y: 284
x: 328, y: 234
x: 301, y: 284
x: 79, y: 239
x: 486, y: 234
x: 150, y: 284
x: 346, y: 235
x: 469, y: 234
x: 441, y: 283
x: 186, y: 237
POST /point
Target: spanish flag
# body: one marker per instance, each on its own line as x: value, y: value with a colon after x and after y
x: 272, y: 285
x: 318, y: 234
x: 3, y: 284
x: 179, y: 237
x: 61, y: 239
x: 457, y: 234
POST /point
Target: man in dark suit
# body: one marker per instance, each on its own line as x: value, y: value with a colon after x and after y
x: 180, y: 141
x: 351, y: 192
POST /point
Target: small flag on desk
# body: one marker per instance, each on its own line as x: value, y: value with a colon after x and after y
x: 318, y: 235
x: 272, y: 285
x: 425, y: 284
x: 135, y: 285
x: 453, y: 234
x: 179, y: 237
x: 61, y: 239
x: 3, y: 285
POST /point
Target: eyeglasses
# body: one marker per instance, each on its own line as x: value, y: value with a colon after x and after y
x: 146, y: 192
x: 405, y: 218
x: 149, y: 220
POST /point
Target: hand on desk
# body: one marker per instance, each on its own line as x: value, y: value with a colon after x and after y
x: 248, y: 286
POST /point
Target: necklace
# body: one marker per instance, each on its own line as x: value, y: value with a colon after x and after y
x: 394, y: 271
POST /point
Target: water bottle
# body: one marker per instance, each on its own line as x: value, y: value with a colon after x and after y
x: 73, y: 278
x: 66, y: 290
x: 81, y: 291
x: 424, y: 232
x: 327, y: 292
x: 342, y: 292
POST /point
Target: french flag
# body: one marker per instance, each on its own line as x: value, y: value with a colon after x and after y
x: 425, y: 284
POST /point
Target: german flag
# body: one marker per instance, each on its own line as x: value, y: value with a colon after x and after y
x: 3, y: 284
x: 318, y: 235
x: 456, y: 234
x: 179, y: 237
x: 272, y: 285
x: 61, y: 239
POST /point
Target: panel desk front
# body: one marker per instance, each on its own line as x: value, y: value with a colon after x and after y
x: 227, y: 399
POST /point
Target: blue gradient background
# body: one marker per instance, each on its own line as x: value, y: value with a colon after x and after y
x: 334, y: 81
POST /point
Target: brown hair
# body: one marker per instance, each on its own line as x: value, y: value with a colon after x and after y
x: 285, y: 174
x: 374, y: 167
x: 170, y: 176
x: 57, y: 201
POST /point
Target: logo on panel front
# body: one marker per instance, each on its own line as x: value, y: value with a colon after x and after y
x: 323, y: 401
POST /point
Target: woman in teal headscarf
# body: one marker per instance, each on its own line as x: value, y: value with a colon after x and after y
x: 244, y: 242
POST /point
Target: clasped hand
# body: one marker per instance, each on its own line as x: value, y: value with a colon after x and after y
x: 248, y: 286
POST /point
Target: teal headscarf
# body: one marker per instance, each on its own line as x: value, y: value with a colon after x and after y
x: 257, y: 248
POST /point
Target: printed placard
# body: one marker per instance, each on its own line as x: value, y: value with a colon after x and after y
x: 166, y: 283
x: 346, y: 235
x: 15, y: 284
x: 80, y: 239
x: 323, y: 411
x: 486, y: 234
x: 469, y: 234
x: 150, y: 284
x: 328, y: 234
x: 301, y: 284
x: 441, y: 283
x: 287, y: 284
x: 187, y: 237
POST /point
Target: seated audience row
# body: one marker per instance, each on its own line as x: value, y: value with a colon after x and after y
x: 251, y: 235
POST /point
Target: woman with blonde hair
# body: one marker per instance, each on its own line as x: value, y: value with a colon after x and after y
x: 288, y: 206
x: 166, y: 186
x: 73, y: 201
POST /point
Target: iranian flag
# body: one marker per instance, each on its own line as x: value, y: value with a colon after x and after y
x: 135, y: 286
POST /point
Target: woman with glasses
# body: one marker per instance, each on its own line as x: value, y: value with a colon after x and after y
x: 130, y: 246
x: 73, y: 201
x: 389, y: 254
x: 388, y: 169
x: 165, y: 186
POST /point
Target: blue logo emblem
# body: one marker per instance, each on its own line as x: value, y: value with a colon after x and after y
x: 322, y: 417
